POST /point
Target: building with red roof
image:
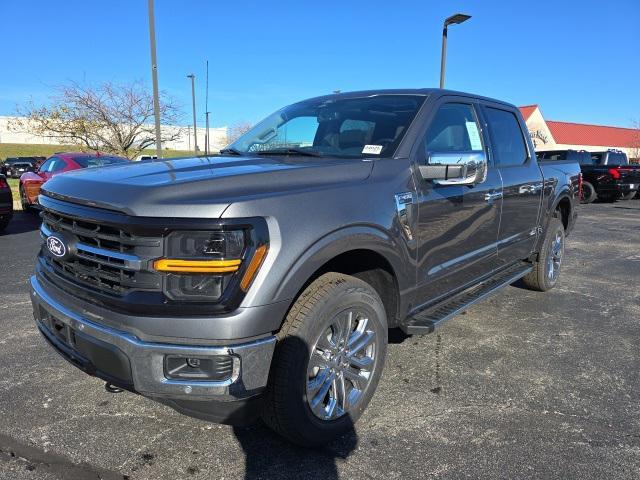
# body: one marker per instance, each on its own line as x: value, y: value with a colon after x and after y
x: 555, y: 135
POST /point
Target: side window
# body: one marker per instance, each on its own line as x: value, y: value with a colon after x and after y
x: 508, y: 143
x: 454, y: 129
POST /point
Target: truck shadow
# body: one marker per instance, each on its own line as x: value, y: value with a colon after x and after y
x: 267, y: 455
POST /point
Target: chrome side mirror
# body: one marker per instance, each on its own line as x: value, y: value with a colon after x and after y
x: 451, y: 168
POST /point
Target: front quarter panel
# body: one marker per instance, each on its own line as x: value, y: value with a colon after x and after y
x: 309, y: 228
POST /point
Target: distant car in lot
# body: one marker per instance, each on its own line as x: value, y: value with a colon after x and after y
x: 6, y: 203
x: 14, y: 167
x: 606, y: 175
x: 31, y: 182
x: 142, y: 158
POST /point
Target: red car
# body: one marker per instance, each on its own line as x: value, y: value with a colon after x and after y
x: 30, y: 182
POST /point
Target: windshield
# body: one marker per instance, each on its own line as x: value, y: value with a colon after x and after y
x: 337, y: 127
x: 89, y: 162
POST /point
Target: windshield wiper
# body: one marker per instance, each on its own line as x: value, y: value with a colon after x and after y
x: 232, y: 151
x: 289, y: 151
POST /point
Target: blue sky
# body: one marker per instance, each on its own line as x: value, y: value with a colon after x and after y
x: 578, y: 59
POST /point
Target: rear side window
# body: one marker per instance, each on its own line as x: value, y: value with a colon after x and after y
x: 454, y: 129
x: 508, y: 143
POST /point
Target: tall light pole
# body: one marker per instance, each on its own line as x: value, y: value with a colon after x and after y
x: 193, y: 98
x: 453, y: 19
x: 154, y: 76
x: 206, y: 114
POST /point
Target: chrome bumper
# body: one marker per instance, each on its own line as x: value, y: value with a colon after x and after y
x: 251, y: 361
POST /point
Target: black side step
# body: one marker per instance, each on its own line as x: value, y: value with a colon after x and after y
x: 426, y: 320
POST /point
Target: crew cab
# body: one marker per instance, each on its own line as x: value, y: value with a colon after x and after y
x: 263, y: 282
x: 607, y: 175
x: 32, y: 181
x: 6, y: 203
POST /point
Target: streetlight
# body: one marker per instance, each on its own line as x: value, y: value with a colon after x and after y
x: 453, y: 19
x: 193, y: 98
x: 154, y: 76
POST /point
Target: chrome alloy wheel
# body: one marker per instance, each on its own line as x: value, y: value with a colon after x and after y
x: 341, y: 364
x: 556, y: 249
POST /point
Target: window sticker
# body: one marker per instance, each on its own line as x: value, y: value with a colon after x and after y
x: 474, y: 136
x: 372, y: 149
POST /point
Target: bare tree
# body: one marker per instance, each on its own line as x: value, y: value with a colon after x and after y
x: 237, y: 130
x: 116, y: 118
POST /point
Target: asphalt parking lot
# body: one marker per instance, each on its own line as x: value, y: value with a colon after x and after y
x: 524, y: 385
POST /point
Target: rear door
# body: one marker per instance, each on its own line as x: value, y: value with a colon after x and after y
x: 522, y: 183
x: 457, y: 224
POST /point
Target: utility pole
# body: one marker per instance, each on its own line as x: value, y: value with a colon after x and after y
x: 154, y: 76
x: 193, y: 99
x: 206, y: 114
x: 453, y: 19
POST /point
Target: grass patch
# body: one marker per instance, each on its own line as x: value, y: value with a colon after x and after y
x: 14, y: 184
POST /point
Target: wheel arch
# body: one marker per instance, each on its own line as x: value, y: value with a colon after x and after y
x: 365, y: 252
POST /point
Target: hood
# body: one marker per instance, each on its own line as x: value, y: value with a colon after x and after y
x: 199, y: 187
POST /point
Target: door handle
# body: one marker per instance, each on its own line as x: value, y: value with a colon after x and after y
x: 491, y: 196
x: 531, y: 188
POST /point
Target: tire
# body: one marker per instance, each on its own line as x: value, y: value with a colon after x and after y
x: 589, y: 194
x: 26, y: 207
x: 295, y: 384
x: 3, y: 224
x: 551, y: 253
x: 628, y: 196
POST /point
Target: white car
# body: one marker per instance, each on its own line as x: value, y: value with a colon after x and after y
x: 141, y: 158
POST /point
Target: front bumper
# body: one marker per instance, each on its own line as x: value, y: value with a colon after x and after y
x: 124, y: 360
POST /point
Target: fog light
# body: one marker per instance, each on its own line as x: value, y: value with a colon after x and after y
x: 214, y: 368
x: 193, y: 362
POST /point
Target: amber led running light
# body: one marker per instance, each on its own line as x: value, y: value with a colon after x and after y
x: 196, y: 266
x: 254, y: 266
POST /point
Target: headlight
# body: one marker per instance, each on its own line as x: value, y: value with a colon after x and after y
x: 199, y: 265
x: 206, y: 245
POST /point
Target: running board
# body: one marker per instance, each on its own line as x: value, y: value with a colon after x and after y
x: 426, y: 320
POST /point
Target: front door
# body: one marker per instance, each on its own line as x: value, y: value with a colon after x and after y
x: 457, y: 224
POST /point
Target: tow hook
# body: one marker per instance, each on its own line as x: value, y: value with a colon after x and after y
x: 111, y: 388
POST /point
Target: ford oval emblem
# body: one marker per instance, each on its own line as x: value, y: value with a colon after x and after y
x: 56, y: 247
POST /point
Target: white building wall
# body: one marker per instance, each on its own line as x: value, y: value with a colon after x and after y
x: 217, y: 141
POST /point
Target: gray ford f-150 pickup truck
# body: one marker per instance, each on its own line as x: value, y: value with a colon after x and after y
x: 263, y: 281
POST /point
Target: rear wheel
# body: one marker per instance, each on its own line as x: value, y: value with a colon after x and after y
x: 546, y: 269
x: 589, y: 194
x: 26, y: 206
x: 328, y: 360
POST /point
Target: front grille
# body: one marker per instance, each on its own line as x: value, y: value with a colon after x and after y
x: 108, y: 259
x: 100, y: 236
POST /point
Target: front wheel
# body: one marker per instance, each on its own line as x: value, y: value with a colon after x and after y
x: 546, y: 269
x: 328, y: 360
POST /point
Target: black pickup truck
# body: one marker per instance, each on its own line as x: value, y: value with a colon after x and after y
x: 6, y: 203
x: 263, y: 281
x: 607, y: 175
